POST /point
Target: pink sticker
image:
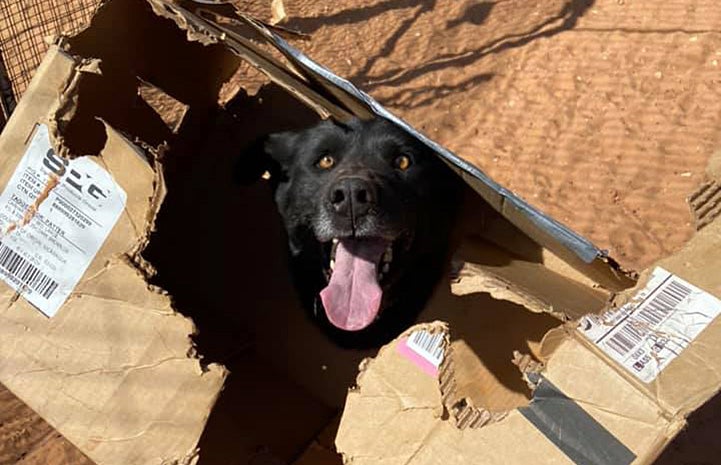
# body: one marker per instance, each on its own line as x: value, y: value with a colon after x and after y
x: 417, y: 359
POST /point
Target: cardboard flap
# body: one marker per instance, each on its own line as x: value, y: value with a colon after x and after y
x: 396, y: 416
x: 393, y: 408
x: 285, y: 76
x: 113, y: 370
x: 582, y: 411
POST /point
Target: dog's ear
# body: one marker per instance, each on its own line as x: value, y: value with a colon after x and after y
x: 280, y: 147
x: 267, y: 154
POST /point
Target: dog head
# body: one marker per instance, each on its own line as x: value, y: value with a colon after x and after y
x: 364, y: 205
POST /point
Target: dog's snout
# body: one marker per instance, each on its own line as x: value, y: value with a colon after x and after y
x: 352, y: 196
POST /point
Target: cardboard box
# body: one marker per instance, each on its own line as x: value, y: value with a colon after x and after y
x: 114, y: 369
x: 614, y: 388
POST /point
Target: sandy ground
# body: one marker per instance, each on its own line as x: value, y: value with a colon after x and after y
x: 601, y: 113
x: 25, y: 439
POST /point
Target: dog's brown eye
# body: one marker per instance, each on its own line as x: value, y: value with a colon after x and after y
x: 402, y: 162
x: 326, y: 162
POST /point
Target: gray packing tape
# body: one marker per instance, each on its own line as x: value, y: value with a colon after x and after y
x: 584, y: 440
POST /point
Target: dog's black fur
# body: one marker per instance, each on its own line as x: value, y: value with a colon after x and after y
x: 364, y: 194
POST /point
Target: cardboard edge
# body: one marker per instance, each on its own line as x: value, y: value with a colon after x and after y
x: 64, y: 108
x: 705, y: 203
x: 462, y: 409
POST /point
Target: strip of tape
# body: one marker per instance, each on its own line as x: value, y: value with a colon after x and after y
x: 584, y: 440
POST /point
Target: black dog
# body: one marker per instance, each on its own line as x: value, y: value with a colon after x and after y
x: 368, y: 211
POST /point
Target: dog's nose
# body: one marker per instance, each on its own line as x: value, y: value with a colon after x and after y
x: 352, y: 196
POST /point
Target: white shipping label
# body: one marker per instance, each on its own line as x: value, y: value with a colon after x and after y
x: 645, y: 335
x: 54, y: 216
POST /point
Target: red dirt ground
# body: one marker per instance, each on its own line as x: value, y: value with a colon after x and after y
x: 602, y: 113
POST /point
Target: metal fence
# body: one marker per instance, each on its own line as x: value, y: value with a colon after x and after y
x: 24, y: 27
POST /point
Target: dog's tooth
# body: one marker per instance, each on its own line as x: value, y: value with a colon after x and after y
x: 335, y: 240
x: 332, y: 264
x: 386, y: 268
x: 388, y: 254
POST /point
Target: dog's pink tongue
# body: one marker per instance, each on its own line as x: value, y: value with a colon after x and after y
x: 353, y: 296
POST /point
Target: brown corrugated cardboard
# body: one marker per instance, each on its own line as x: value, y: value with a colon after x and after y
x: 94, y: 370
x: 642, y: 416
x: 115, y: 370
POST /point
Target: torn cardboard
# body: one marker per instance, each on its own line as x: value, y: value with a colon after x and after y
x: 117, y: 360
x: 113, y: 369
x: 591, y: 406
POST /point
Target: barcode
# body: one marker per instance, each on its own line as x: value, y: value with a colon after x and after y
x: 427, y: 345
x: 647, y: 316
x: 24, y: 273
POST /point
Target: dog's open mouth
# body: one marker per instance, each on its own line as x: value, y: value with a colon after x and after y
x: 356, y: 269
